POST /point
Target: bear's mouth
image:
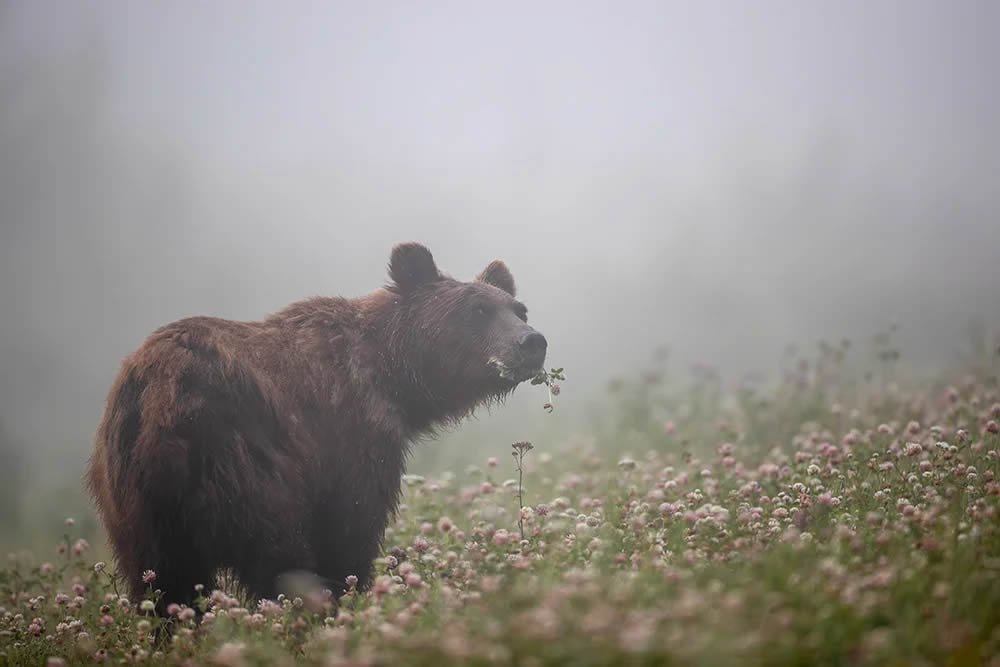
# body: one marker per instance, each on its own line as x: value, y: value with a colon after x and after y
x: 515, y: 374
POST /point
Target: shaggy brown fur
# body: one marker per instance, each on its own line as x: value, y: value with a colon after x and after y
x: 278, y: 445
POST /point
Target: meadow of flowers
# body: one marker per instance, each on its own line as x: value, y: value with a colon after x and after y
x: 825, y: 520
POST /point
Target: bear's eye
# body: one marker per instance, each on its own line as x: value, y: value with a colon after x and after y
x: 521, y: 311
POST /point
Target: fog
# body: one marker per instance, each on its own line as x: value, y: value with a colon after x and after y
x: 721, y: 177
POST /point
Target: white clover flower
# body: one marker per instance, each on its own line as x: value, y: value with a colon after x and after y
x: 627, y: 463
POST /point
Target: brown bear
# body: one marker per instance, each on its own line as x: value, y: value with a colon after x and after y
x: 279, y: 445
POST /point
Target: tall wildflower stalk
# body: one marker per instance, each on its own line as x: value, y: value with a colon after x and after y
x: 521, y: 450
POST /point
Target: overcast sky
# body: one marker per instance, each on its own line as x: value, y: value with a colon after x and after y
x: 723, y: 177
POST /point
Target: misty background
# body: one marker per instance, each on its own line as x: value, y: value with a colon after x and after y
x: 721, y: 177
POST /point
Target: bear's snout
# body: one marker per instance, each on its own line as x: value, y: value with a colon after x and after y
x: 533, y: 346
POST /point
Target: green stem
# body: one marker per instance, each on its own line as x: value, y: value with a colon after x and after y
x: 520, y: 492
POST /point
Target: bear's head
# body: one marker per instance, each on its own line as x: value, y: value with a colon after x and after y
x: 463, y: 342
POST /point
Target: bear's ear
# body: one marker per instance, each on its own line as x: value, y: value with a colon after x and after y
x: 498, y: 275
x: 412, y: 265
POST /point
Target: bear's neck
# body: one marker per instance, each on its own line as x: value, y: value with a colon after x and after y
x: 362, y: 343
x: 422, y: 408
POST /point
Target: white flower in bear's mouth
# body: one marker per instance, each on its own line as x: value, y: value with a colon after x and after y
x: 503, y: 369
x: 509, y: 373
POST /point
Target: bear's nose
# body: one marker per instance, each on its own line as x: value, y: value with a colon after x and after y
x: 533, y: 345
